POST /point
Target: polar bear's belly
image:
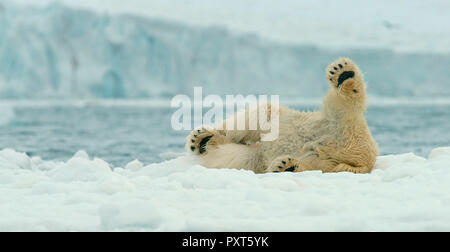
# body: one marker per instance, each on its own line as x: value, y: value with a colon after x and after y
x: 293, y: 135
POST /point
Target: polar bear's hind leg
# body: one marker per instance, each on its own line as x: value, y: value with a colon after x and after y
x: 233, y: 155
x: 349, y: 168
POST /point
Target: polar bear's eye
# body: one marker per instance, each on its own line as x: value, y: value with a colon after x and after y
x: 355, y: 91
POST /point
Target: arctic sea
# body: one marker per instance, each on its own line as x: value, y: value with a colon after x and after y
x: 119, y: 134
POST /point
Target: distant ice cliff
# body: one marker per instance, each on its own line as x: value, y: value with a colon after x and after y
x: 64, y: 52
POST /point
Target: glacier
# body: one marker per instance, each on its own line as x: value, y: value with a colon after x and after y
x: 60, y: 52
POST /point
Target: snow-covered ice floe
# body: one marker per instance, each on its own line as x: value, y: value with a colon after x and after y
x: 405, y: 192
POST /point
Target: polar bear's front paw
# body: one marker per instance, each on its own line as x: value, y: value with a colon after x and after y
x: 197, y: 140
x: 340, y: 71
x: 284, y: 164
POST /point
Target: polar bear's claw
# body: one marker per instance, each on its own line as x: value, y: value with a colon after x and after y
x: 202, y: 145
x: 198, y: 139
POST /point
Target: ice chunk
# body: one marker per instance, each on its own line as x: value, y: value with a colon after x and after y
x: 441, y: 152
x: 11, y: 159
x: 81, y: 154
x: 134, y: 165
x: 81, y: 169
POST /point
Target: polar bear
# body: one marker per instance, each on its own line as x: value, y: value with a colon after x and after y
x: 334, y: 139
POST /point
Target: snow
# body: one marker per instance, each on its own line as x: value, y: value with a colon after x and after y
x: 404, y: 193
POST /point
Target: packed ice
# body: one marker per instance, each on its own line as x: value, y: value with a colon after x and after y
x: 404, y: 193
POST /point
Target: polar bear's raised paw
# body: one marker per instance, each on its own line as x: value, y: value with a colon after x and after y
x: 197, y: 141
x: 203, y: 139
x: 340, y: 71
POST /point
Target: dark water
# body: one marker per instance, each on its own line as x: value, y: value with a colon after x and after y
x: 122, y: 134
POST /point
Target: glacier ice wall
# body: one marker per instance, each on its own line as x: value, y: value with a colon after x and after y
x: 62, y: 52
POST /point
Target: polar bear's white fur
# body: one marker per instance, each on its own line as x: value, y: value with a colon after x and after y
x: 334, y: 139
